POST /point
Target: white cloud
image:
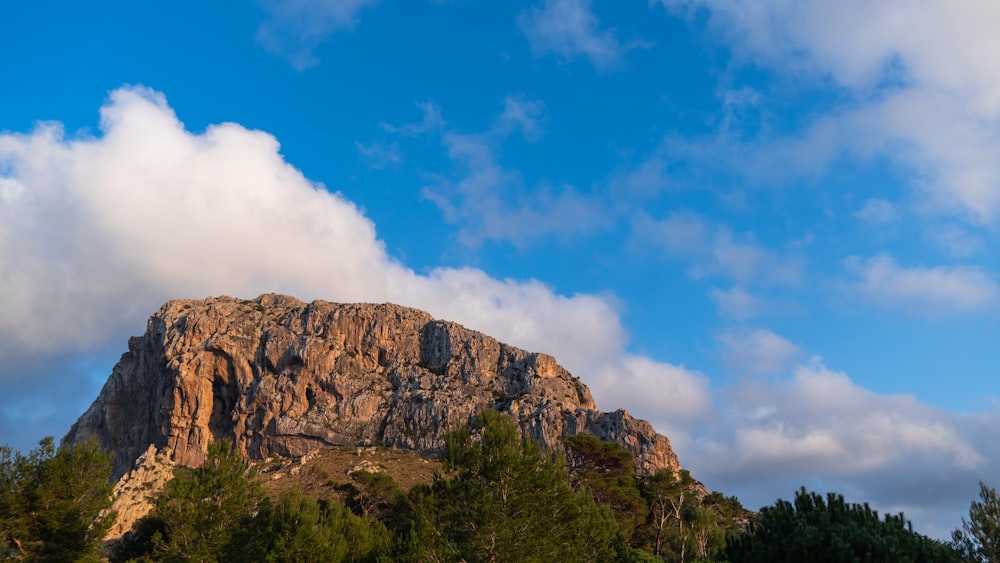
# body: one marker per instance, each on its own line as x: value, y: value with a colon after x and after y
x: 924, y: 291
x: 757, y: 351
x: 99, y: 231
x: 674, y: 395
x: 923, y: 79
x: 569, y: 29
x: 297, y: 27
x: 820, y: 429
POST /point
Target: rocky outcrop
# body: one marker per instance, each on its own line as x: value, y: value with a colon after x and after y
x: 133, y: 494
x: 277, y: 376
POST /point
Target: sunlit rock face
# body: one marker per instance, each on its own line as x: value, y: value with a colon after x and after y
x: 276, y: 376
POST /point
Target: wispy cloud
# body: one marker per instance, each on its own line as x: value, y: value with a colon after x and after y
x: 296, y: 27
x: 921, y: 290
x: 877, y: 211
x: 715, y: 250
x: 431, y: 122
x: 738, y: 303
x: 922, y: 84
x: 757, y: 351
x: 569, y: 29
x: 379, y: 155
x: 491, y: 201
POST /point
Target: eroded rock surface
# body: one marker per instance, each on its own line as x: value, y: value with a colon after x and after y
x: 277, y: 376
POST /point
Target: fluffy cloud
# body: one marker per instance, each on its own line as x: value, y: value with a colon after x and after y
x: 296, y: 27
x: 569, y: 29
x: 103, y: 229
x: 97, y: 232
x: 924, y: 291
x: 820, y: 429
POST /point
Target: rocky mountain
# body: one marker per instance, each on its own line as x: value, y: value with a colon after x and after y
x: 277, y: 376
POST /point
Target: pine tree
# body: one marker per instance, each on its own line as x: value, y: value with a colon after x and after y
x: 196, y: 512
x: 506, y: 499
x: 979, y: 537
x: 831, y: 530
x: 54, y: 503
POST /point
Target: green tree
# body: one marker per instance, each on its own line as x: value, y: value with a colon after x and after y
x: 299, y: 529
x: 54, y: 503
x: 672, y: 510
x: 373, y: 495
x: 194, y: 515
x: 979, y: 537
x: 831, y: 530
x: 506, y: 499
x: 607, y: 471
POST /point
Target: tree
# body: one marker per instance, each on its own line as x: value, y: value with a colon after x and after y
x: 54, y: 503
x: 979, y: 537
x: 830, y: 530
x: 372, y: 495
x: 295, y: 528
x: 672, y: 505
x: 194, y: 515
x: 506, y: 499
x: 607, y: 471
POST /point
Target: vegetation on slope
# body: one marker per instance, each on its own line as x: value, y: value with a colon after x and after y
x: 492, y: 497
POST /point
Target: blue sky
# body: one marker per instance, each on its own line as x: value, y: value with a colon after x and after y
x: 768, y: 226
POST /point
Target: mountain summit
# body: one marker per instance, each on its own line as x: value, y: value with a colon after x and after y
x: 277, y: 376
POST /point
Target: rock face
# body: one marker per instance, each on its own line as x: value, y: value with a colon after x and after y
x: 277, y: 376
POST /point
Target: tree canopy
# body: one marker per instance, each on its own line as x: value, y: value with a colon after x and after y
x: 978, y: 539
x: 54, y: 503
x: 506, y: 499
x: 831, y: 530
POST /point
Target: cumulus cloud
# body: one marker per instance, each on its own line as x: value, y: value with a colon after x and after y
x: 97, y: 231
x: 922, y: 79
x: 569, y: 29
x: 820, y: 429
x: 924, y: 291
x: 103, y: 229
x: 296, y: 27
x: 655, y: 390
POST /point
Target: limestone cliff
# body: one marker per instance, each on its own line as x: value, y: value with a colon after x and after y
x: 277, y: 376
